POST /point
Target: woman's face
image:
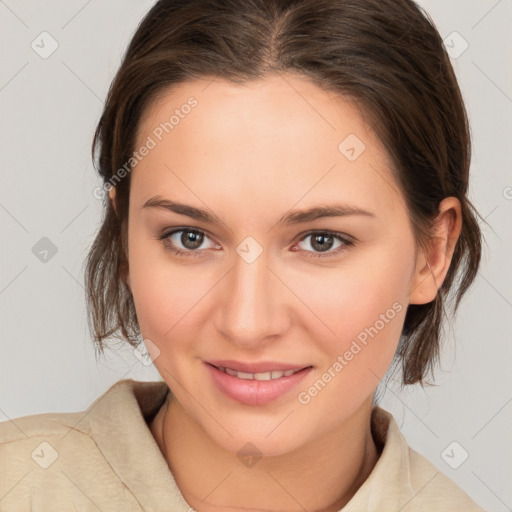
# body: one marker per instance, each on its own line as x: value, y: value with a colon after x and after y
x: 258, y: 285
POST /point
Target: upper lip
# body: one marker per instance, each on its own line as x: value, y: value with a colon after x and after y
x: 259, y: 367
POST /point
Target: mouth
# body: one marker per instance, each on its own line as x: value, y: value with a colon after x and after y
x: 269, y: 375
x: 255, y: 383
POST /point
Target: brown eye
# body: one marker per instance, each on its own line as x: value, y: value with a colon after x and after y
x: 324, y: 241
x: 191, y: 239
x: 186, y: 241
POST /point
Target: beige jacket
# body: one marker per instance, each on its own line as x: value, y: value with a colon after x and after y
x: 106, y: 459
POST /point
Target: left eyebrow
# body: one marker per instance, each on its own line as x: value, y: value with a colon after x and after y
x: 319, y: 212
x: 296, y: 217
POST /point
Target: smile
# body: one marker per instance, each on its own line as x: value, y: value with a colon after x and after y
x: 270, y: 375
x: 256, y: 387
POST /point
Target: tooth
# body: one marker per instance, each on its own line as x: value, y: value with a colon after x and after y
x: 263, y: 376
x: 244, y: 375
x: 270, y: 375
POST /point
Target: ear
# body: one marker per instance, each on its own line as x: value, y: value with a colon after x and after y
x: 112, y: 196
x: 433, y: 263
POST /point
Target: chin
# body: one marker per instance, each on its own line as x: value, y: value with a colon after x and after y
x: 267, y: 437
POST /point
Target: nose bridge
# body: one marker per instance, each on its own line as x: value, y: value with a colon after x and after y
x: 248, y: 311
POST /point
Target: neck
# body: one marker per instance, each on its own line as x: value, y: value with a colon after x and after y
x: 321, y: 476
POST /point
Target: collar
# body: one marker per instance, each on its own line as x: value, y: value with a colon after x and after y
x: 118, y: 424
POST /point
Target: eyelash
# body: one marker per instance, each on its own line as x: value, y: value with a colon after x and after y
x: 346, y: 243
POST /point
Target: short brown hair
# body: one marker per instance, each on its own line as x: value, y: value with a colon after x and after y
x: 386, y: 55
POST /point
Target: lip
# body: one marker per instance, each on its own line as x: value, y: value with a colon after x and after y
x: 263, y: 366
x: 256, y: 392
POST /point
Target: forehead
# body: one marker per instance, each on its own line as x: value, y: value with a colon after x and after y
x: 280, y: 135
x: 266, y: 105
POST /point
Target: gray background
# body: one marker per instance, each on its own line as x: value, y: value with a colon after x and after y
x: 49, y: 109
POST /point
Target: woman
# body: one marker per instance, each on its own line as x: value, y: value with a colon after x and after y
x: 286, y: 213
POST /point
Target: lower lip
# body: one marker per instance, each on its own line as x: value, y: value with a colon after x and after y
x: 255, y: 392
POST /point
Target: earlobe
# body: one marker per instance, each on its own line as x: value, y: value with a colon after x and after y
x: 112, y: 197
x: 433, y: 263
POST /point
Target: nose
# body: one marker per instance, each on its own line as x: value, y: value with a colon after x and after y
x: 252, y: 304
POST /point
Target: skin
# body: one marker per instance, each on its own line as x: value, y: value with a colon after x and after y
x: 250, y: 154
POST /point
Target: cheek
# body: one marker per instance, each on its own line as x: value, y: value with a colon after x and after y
x: 170, y: 297
x: 162, y: 291
x: 367, y: 324
x: 364, y: 305
x: 336, y: 306
x: 356, y: 294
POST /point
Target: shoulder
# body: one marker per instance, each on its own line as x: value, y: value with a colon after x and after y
x: 423, y: 487
x: 50, y: 459
x: 439, y: 491
x: 36, y: 439
x: 54, y: 424
x: 46, y: 451
x: 58, y: 425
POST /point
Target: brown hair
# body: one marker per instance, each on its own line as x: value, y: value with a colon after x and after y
x: 386, y: 55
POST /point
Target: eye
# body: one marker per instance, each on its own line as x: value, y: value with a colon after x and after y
x: 190, y: 240
x: 323, y: 242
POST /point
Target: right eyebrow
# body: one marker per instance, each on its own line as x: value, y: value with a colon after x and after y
x: 182, y: 209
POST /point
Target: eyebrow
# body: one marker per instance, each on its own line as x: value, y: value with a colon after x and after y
x: 296, y: 217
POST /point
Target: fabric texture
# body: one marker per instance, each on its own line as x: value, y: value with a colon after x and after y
x: 105, y: 458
